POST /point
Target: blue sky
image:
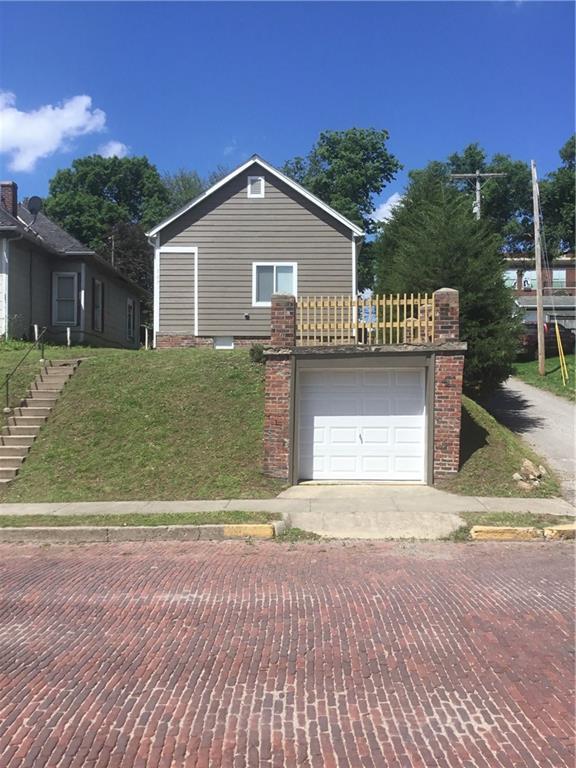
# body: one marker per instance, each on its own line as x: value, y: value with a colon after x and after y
x: 196, y: 85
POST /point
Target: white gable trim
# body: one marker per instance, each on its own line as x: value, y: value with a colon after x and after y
x: 275, y: 172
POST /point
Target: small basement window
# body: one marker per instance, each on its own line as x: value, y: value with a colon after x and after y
x: 255, y: 186
x: 223, y: 342
x: 64, y: 298
x: 269, y: 278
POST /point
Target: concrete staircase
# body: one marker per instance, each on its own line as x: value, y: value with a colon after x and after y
x: 26, y: 420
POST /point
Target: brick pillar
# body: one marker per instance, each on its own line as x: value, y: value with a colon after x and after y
x: 448, y: 372
x: 9, y: 196
x: 277, y: 416
x: 446, y: 315
x: 278, y: 391
x: 283, y: 321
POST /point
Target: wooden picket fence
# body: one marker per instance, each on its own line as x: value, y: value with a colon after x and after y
x: 402, y: 318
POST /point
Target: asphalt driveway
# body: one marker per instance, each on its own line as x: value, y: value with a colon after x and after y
x: 547, y: 422
x: 328, y: 654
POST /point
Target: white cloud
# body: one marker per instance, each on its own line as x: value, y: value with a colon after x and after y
x: 30, y: 136
x: 113, y: 149
x: 230, y: 148
x: 384, y: 211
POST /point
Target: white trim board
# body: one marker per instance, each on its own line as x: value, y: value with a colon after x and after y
x: 256, y: 264
x: 275, y: 172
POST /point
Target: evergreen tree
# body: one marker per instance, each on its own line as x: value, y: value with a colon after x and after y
x: 433, y: 241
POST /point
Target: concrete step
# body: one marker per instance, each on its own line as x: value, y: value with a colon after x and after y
x: 56, y: 378
x: 46, y: 386
x: 11, y: 462
x: 26, y: 421
x: 6, y: 451
x: 8, y: 474
x: 18, y: 438
x: 32, y: 410
x: 39, y: 402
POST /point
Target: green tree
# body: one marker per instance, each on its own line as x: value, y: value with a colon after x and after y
x: 346, y: 169
x: 184, y: 185
x: 434, y: 241
x: 132, y: 254
x: 558, y: 194
x: 96, y: 193
x: 98, y: 198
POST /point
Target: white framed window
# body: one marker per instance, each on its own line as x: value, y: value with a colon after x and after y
x: 255, y: 186
x: 559, y: 278
x: 269, y: 277
x: 130, y: 319
x: 97, y: 305
x: 65, y: 298
x: 223, y: 342
x: 510, y: 278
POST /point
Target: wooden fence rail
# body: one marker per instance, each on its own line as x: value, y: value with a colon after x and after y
x: 400, y: 318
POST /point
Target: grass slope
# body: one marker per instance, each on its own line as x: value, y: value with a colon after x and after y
x: 171, y: 424
x: 490, y: 454
x: 552, y: 380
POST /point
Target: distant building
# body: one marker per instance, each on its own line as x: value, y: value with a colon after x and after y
x: 559, y: 287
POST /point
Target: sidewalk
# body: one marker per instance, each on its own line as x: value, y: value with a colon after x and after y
x: 339, y: 511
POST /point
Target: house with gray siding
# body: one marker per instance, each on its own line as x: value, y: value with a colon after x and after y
x: 50, y: 280
x: 219, y: 260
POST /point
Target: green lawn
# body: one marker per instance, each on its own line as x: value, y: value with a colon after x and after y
x: 552, y: 380
x: 228, y: 517
x: 490, y: 454
x: 167, y: 424
x: 508, y: 519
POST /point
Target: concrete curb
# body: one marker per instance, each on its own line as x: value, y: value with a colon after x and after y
x: 112, y: 534
x: 516, y: 533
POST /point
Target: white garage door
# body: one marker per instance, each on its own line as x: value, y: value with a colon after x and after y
x: 362, y: 424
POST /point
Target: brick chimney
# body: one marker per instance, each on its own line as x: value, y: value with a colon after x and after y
x: 9, y: 197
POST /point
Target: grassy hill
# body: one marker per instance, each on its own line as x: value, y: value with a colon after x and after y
x: 175, y: 424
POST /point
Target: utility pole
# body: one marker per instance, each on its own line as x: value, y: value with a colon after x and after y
x: 477, y: 179
x: 538, y: 258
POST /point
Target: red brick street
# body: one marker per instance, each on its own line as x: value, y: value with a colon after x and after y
x: 324, y: 654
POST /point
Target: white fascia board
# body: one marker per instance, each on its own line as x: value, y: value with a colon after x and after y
x: 275, y: 172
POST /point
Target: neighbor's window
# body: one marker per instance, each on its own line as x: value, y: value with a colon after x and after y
x: 510, y: 278
x: 269, y: 278
x: 64, y: 298
x: 559, y: 278
x: 255, y: 186
x: 529, y: 280
x: 130, y: 319
x: 97, y: 305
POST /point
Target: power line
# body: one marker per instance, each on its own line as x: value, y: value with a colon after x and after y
x: 476, y: 178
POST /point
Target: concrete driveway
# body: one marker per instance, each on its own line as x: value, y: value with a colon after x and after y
x: 385, y: 511
x: 547, y: 423
x: 329, y: 655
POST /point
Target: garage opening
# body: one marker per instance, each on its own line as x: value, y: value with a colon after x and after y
x: 362, y: 424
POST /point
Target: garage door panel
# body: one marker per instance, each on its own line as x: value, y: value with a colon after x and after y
x: 343, y: 435
x: 367, y: 424
x: 378, y: 435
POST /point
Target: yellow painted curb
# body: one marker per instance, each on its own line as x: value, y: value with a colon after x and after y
x: 254, y: 530
x: 504, y: 533
x: 566, y: 531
